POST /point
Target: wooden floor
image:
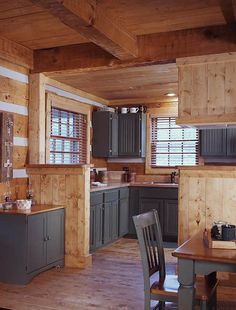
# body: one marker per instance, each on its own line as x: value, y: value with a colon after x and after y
x: 114, y: 282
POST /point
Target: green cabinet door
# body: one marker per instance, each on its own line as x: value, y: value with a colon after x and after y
x: 170, y: 220
x: 37, y: 242
x: 132, y: 134
x: 55, y: 235
x: 123, y: 217
x: 96, y: 220
x: 213, y: 142
x: 105, y: 134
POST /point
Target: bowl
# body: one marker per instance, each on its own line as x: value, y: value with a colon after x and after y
x: 23, y: 204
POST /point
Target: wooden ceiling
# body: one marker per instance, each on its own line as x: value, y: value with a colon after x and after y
x: 142, y: 83
x: 118, y: 50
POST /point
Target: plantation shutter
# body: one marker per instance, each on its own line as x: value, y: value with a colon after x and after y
x: 172, y: 145
x: 68, y: 140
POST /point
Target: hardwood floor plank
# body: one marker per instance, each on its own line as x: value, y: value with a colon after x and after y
x: 113, y: 282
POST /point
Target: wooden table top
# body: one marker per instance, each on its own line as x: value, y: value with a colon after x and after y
x: 34, y: 210
x: 195, y: 248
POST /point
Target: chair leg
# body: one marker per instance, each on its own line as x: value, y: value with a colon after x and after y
x: 162, y: 305
x: 203, y: 305
x: 147, y: 302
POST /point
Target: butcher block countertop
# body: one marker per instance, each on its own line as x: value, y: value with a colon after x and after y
x: 34, y: 210
x: 134, y: 184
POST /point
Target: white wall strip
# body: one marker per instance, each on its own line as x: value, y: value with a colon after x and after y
x: 125, y: 160
x: 69, y: 95
x: 14, y: 108
x: 20, y: 141
x: 19, y: 173
x: 20, y: 77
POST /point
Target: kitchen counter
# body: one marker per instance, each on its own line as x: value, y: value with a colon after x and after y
x: 35, y: 209
x: 135, y: 184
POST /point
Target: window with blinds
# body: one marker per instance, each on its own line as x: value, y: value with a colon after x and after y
x: 68, y: 140
x: 172, y: 145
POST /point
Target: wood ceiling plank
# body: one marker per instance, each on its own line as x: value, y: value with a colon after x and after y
x: 16, y: 53
x: 88, y: 18
x: 122, y: 83
x: 38, y: 30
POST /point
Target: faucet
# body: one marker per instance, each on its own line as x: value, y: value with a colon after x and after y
x: 172, y: 177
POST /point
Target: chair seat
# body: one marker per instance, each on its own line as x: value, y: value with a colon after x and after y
x: 170, y: 288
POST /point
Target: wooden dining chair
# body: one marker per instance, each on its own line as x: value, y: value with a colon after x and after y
x: 158, y: 285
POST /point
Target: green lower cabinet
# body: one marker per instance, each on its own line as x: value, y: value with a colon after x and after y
x: 110, y: 224
x: 170, y: 220
x: 123, y: 216
x: 164, y: 200
x: 96, y: 222
x: 108, y: 216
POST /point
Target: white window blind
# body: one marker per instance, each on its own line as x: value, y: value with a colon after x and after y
x: 172, y: 145
x: 68, y: 140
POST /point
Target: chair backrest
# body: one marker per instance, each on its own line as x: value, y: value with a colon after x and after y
x: 151, y: 245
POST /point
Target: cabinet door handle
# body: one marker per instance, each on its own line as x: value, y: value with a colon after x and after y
x: 45, y: 239
x: 48, y: 238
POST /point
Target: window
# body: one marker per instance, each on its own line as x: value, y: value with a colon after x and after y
x: 172, y: 145
x: 68, y: 143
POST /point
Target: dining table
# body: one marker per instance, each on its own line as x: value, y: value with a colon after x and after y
x: 196, y: 258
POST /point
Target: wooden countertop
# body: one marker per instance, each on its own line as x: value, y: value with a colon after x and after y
x: 34, y: 210
x: 134, y: 184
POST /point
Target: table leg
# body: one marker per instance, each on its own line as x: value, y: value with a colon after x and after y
x: 186, y: 277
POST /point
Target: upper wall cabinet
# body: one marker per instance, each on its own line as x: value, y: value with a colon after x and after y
x: 105, y: 134
x: 207, y: 90
x: 132, y: 135
x: 119, y: 135
x: 218, y: 142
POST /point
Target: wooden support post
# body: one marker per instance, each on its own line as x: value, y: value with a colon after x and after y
x: 37, y: 119
x: 67, y: 185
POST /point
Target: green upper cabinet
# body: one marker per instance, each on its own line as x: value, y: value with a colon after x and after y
x: 219, y: 142
x: 132, y: 135
x: 118, y: 135
x: 105, y: 134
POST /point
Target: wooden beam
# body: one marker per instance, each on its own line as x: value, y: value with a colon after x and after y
x: 185, y: 43
x: 85, y: 57
x: 89, y: 19
x: 37, y: 116
x: 153, y: 49
x: 16, y: 53
x: 228, y: 11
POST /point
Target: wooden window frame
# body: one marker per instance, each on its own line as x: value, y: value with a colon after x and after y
x: 53, y: 100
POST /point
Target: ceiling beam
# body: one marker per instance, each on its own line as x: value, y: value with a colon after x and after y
x: 153, y: 49
x: 89, y: 19
x: 228, y: 11
x: 16, y: 53
x: 85, y: 57
x: 186, y: 43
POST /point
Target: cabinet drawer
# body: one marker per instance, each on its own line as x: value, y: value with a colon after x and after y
x: 96, y: 198
x: 124, y: 193
x: 111, y: 195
